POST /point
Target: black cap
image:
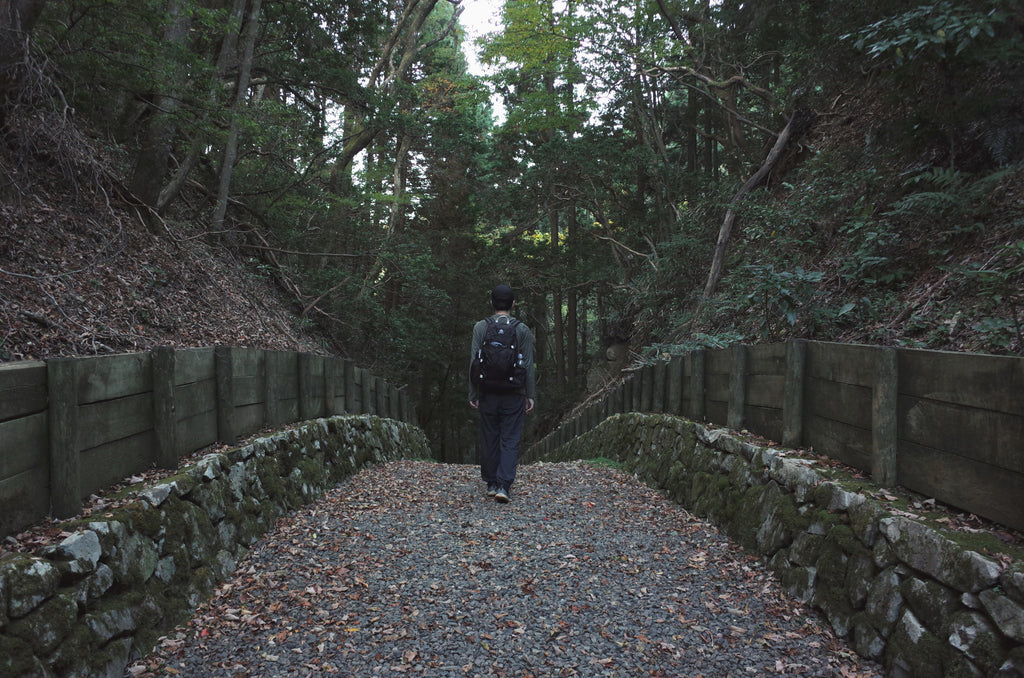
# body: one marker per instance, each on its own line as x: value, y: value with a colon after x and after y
x: 502, y: 293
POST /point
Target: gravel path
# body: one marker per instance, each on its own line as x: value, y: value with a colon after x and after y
x: 408, y: 568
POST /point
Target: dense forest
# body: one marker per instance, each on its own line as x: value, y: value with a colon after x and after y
x: 650, y: 177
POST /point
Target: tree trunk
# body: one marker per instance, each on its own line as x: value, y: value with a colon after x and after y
x: 571, y: 319
x: 249, y: 33
x: 226, y: 56
x: 387, y: 73
x: 692, y: 111
x: 155, y: 150
x: 396, y: 217
x: 730, y: 215
x: 557, y: 329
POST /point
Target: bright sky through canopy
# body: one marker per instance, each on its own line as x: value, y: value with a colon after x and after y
x: 478, y: 17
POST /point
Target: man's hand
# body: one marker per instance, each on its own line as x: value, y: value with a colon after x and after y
x: 529, y: 405
x: 475, y: 404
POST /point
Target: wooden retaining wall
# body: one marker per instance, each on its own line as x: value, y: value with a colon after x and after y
x: 946, y: 425
x: 72, y: 426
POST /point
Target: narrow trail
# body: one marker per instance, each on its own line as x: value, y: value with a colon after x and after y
x: 408, y: 568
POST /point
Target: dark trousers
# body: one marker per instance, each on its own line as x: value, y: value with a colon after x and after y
x: 501, y: 427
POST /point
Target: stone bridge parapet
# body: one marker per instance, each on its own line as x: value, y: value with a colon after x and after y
x: 85, y: 606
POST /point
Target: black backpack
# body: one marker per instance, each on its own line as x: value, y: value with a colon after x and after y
x: 497, y: 365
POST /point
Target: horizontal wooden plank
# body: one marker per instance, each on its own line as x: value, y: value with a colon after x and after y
x: 282, y: 373
x: 24, y: 499
x: 110, y: 463
x: 763, y: 421
x: 846, y: 363
x: 716, y: 387
x: 718, y: 361
x: 766, y: 390
x: 248, y: 390
x: 22, y: 389
x: 967, y: 484
x: 192, y: 365
x: 24, y: 443
x: 195, y: 398
x: 196, y: 432
x: 995, y: 438
x: 111, y: 420
x: 289, y: 409
x: 115, y: 376
x: 846, y: 403
x: 248, y: 419
x: 766, y: 359
x: 247, y: 362
x: 984, y: 381
x: 836, y: 440
x: 716, y: 412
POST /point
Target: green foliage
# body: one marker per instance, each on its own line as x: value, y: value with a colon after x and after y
x: 960, y: 202
x: 940, y: 32
x: 780, y: 295
x: 697, y: 341
x: 999, y: 284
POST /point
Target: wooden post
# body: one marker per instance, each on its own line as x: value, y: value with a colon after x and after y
x: 305, y: 368
x: 737, y: 387
x: 62, y: 391
x: 793, y: 404
x: 165, y: 423
x: 271, y: 398
x: 658, y: 398
x: 380, y: 393
x: 646, y: 388
x: 697, y: 360
x: 225, y: 378
x: 350, y: 386
x: 406, y: 416
x: 330, y: 379
x: 367, y: 402
x: 674, y: 406
x: 884, y: 441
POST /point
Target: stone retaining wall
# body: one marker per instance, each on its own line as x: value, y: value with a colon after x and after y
x: 903, y: 593
x: 86, y: 606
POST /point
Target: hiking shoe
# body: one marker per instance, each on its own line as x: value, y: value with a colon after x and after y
x: 492, y: 489
x: 501, y: 496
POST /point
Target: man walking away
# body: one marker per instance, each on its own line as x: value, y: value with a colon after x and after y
x: 502, y: 388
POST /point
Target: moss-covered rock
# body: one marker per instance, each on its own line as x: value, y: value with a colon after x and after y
x: 834, y: 602
x: 121, y: 615
x: 47, y: 625
x: 806, y: 549
x: 867, y: 641
x: 864, y: 518
x: 912, y: 650
x: 780, y: 520
x: 926, y: 550
x: 971, y: 633
x: 884, y: 602
x: 860, y: 573
x: 1007, y: 614
x: 931, y: 602
x: 17, y: 659
x: 75, y: 556
x: 30, y: 581
x: 93, y: 587
x: 799, y: 582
